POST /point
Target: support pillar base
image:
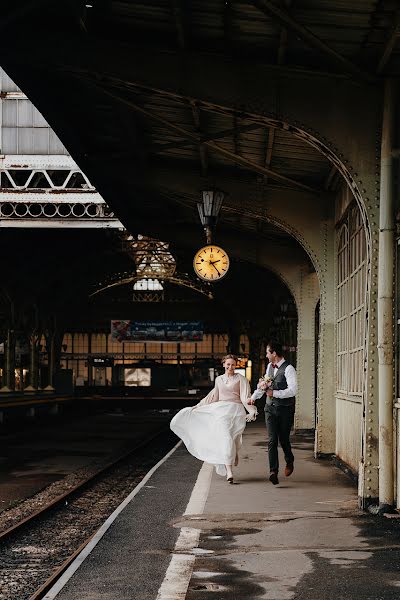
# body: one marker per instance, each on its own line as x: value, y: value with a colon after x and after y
x: 381, y: 509
x: 30, y: 389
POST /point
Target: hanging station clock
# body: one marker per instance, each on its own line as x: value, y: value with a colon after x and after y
x: 211, y: 263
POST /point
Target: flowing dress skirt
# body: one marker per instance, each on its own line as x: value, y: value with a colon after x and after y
x: 213, y: 432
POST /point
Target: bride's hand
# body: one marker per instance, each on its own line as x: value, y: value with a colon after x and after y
x: 250, y: 401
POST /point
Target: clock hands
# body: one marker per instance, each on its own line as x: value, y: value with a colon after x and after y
x: 215, y: 267
x: 212, y: 263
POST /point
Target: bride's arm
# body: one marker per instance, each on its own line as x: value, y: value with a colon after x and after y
x: 245, y: 393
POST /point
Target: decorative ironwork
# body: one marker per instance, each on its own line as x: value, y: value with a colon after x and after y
x: 152, y: 257
x: 130, y: 278
x: 148, y: 285
x: 155, y: 265
x: 46, y: 189
x: 139, y: 296
x: 72, y: 210
x: 52, y: 179
x: 148, y: 290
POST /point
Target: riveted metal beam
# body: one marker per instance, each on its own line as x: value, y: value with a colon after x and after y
x: 280, y: 15
x: 202, y: 148
x: 390, y: 44
x: 210, y: 144
x: 385, y: 302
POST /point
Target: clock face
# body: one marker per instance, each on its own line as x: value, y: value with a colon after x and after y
x: 211, y: 263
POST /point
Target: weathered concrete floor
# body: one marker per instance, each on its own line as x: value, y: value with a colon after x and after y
x: 304, y: 539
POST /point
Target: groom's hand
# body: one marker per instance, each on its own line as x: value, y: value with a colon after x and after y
x: 270, y: 393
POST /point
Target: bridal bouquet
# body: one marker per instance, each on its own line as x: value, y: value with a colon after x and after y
x: 265, y: 383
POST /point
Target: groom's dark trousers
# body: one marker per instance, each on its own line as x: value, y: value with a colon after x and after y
x: 279, y: 421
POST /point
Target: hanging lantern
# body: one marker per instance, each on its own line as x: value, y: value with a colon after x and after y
x: 209, y: 210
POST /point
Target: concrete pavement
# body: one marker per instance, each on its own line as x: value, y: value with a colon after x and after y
x: 302, y: 540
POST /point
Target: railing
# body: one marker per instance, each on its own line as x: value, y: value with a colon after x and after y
x: 143, y: 355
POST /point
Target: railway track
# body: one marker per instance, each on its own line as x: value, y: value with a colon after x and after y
x: 36, y: 551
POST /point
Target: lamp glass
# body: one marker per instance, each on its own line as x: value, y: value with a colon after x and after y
x: 201, y: 213
x: 212, y: 202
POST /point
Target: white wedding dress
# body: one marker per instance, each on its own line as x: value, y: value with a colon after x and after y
x: 212, y: 430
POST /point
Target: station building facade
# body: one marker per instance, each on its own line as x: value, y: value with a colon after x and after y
x: 347, y: 358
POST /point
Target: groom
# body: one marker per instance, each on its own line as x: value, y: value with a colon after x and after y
x: 279, y: 408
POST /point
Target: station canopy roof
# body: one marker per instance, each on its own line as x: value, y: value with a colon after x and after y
x: 78, y: 62
x: 150, y: 150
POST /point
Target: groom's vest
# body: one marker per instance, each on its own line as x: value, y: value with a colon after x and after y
x: 280, y: 383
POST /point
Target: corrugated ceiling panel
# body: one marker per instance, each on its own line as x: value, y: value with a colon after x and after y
x: 24, y: 130
x: 9, y: 140
x: 55, y: 145
x: 9, y: 110
x: 6, y: 83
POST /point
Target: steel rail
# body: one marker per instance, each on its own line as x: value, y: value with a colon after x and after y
x: 78, y: 487
x: 55, y: 576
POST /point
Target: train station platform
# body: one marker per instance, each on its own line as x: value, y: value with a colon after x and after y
x: 185, y: 533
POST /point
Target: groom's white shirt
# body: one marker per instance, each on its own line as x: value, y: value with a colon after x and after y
x: 291, y: 378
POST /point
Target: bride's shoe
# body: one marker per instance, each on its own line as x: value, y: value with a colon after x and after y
x: 229, y: 474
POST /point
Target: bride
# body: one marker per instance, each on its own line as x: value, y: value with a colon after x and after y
x: 212, y: 430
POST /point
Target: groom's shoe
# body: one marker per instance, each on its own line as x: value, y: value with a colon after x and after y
x: 274, y: 478
x: 289, y: 469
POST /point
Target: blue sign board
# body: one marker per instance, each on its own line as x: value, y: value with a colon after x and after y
x: 157, y: 331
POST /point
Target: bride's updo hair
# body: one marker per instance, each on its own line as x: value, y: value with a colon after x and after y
x: 232, y: 356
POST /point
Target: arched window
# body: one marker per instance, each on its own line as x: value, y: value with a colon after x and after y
x: 342, y: 308
x: 351, y: 276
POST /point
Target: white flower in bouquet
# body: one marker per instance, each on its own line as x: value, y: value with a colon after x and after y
x: 265, y: 383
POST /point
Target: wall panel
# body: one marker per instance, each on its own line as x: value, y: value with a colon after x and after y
x: 348, y: 431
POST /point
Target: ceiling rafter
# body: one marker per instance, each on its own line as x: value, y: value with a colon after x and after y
x: 269, y: 145
x: 128, y: 84
x: 282, y: 16
x: 210, y: 144
x: 330, y: 177
x: 132, y: 87
x: 203, y: 152
x: 391, y: 42
x: 236, y: 129
x: 206, y: 138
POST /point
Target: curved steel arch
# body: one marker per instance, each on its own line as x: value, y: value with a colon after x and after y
x: 181, y: 280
